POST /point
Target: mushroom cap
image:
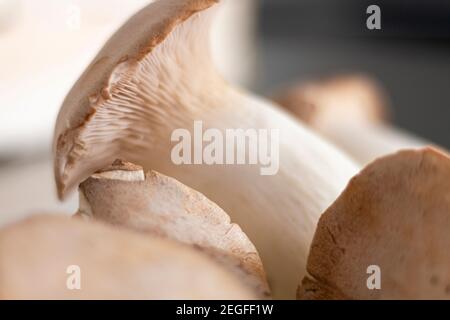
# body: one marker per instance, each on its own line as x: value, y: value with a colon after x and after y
x: 156, y: 204
x: 105, y: 79
x: 114, y: 264
x: 395, y: 214
x: 344, y: 98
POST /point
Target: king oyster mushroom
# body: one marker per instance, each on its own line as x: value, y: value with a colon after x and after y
x: 152, y: 203
x: 155, y: 75
x: 394, y: 216
x: 37, y: 256
x: 351, y: 111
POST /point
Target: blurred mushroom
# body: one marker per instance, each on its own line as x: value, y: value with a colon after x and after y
x: 394, y: 215
x: 155, y: 75
x: 350, y: 111
x: 36, y: 256
x: 153, y: 203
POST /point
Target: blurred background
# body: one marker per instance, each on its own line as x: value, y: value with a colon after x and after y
x: 262, y: 45
x: 409, y: 56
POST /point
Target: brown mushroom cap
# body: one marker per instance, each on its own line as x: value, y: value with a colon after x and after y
x: 345, y: 98
x: 396, y: 215
x: 114, y: 264
x: 153, y: 203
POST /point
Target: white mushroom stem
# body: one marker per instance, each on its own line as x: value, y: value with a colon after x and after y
x: 152, y: 203
x: 155, y: 75
x: 365, y: 142
x: 349, y: 111
x: 49, y: 257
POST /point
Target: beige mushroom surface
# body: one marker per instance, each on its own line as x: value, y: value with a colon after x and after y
x: 36, y: 256
x: 394, y: 215
x: 155, y: 204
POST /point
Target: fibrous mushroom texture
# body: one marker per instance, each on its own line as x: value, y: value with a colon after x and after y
x: 38, y: 254
x: 392, y: 222
x: 153, y: 203
x: 155, y: 75
x: 350, y: 110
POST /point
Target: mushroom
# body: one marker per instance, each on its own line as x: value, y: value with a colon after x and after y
x: 351, y: 111
x: 154, y: 76
x: 391, y: 222
x: 153, y: 203
x: 111, y: 263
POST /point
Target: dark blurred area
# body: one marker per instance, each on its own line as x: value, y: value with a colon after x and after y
x: 409, y: 56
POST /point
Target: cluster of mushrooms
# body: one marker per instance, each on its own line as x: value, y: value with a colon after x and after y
x: 344, y: 198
